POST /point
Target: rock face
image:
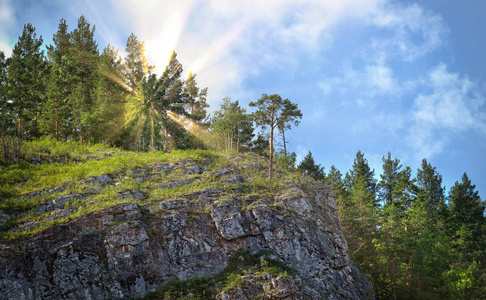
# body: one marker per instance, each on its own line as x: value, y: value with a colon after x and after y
x: 133, y: 248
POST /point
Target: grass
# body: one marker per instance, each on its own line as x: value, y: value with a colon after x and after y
x: 70, y: 163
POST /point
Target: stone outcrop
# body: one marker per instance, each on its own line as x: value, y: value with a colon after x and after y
x: 133, y: 248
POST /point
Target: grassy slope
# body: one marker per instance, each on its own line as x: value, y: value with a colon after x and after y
x: 70, y: 163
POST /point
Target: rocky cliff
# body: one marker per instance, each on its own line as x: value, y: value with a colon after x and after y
x: 215, y: 230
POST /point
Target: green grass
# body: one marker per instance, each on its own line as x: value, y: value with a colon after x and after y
x: 74, y: 162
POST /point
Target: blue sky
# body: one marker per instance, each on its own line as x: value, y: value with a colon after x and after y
x: 376, y: 75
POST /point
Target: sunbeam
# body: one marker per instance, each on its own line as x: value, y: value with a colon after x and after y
x: 209, y: 139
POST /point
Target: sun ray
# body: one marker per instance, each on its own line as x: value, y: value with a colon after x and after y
x: 200, y: 132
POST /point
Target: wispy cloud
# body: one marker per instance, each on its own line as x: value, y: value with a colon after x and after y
x: 6, y: 21
x: 224, y: 42
x: 413, y: 32
x: 452, y: 107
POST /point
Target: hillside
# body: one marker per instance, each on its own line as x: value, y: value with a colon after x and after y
x: 100, y: 223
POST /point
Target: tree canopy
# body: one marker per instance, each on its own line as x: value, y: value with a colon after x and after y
x: 275, y: 112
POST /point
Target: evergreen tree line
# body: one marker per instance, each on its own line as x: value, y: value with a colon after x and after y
x: 75, y: 93
x: 410, y: 238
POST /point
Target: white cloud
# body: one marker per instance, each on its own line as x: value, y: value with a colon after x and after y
x: 451, y: 108
x: 226, y: 42
x: 413, y: 31
x: 6, y: 22
x: 364, y: 84
x: 213, y: 36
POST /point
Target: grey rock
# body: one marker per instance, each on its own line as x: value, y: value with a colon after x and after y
x: 123, y: 252
x: 3, y: 217
x: 58, y: 189
x: 95, y: 189
x: 140, y: 179
x: 172, y: 184
x: 137, y: 172
x: 102, y: 179
x: 164, y: 167
x: 197, y: 169
x: 234, y: 179
x: 130, y: 195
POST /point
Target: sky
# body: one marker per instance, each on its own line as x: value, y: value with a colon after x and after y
x: 406, y: 77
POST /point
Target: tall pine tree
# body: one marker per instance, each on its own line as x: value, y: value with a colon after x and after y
x: 26, y: 80
x: 83, y: 55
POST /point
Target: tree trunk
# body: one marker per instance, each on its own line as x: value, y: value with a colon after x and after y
x: 271, y: 153
x: 152, y: 129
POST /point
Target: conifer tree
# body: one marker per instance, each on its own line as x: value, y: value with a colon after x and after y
x: 195, y: 99
x: 83, y: 55
x: 308, y: 167
x: 467, y: 227
x: 136, y: 65
x: 26, y: 81
x: 428, y: 242
x: 275, y: 112
x: 360, y: 218
x: 7, y: 121
x: 109, y: 111
x: 57, y: 113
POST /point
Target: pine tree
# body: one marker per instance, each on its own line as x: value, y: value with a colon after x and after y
x: 109, y: 111
x: 428, y: 242
x: 7, y: 121
x: 467, y: 216
x: 430, y: 192
x: 275, y: 112
x: 57, y: 113
x: 308, y: 167
x: 358, y: 208
x: 26, y: 80
x: 467, y: 227
x: 83, y: 56
x: 195, y: 99
x: 136, y: 65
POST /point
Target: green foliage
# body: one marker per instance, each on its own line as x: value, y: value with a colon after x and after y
x: 261, y: 145
x: 414, y: 245
x: 233, y: 126
x: 285, y: 161
x: 308, y: 167
x: 275, y: 112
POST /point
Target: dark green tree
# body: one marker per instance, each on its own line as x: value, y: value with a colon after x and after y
x: 389, y: 178
x: 57, y: 112
x: 467, y: 227
x: 109, y: 110
x: 7, y: 120
x: 261, y: 144
x: 27, y: 70
x: 359, y: 212
x: 430, y: 195
x: 195, y: 99
x: 275, y: 112
x: 83, y: 56
x: 309, y: 167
